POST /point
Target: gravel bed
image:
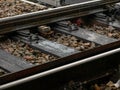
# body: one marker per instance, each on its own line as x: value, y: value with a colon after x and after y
x: 16, y: 7
x: 23, y: 50
x: 72, y: 85
x: 108, y: 31
x: 69, y: 40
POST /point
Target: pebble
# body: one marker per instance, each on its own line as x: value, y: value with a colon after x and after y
x: 105, y: 30
x: 16, y: 7
x: 22, y: 50
x: 2, y: 72
x: 96, y: 87
x: 77, y: 85
x: 70, y: 41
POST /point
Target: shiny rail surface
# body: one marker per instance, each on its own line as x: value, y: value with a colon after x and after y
x: 24, y: 72
x: 23, y: 21
x: 58, y: 69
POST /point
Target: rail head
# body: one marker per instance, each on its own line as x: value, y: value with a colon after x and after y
x: 28, y: 20
x: 58, y: 69
x: 58, y: 9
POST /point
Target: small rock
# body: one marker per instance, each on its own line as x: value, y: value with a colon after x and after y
x: 110, y: 34
x: 87, y: 44
x: 96, y: 87
x: 110, y: 84
x: 28, y: 57
x: 78, y: 48
x: 82, y: 47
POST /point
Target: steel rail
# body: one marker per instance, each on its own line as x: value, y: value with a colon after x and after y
x: 52, y: 10
x: 58, y: 69
x: 28, y: 20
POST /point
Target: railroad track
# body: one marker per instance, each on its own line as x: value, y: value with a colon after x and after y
x: 40, y: 17
x: 59, y: 78
x: 44, y: 47
x: 35, y: 50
